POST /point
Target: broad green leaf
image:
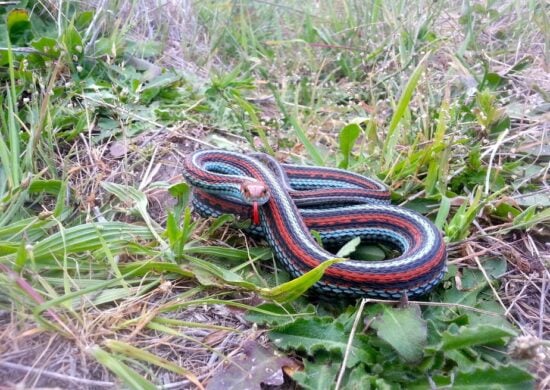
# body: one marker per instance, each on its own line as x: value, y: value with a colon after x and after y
x: 318, y: 374
x: 421, y: 205
x: 493, y: 80
x: 321, y: 334
x: 498, y: 320
x: 73, y: 41
x: 294, y: 289
x: 83, y: 19
x: 349, y: 247
x: 464, y: 359
x: 495, y: 267
x: 404, y: 329
x: 473, y: 283
x: 19, y: 27
x: 468, y: 336
x: 348, y: 136
x: 501, y: 377
x: 182, y: 192
x: 472, y: 279
x: 46, y: 45
x: 479, y: 376
x: 132, y: 379
x: 47, y: 49
x: 49, y: 186
x: 464, y: 297
x: 369, y: 253
x: 359, y: 379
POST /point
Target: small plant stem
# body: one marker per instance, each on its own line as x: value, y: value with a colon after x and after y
x: 350, y: 341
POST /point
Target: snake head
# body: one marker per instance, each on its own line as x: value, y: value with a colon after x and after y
x: 255, y: 194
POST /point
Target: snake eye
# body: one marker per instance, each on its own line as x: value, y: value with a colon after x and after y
x: 264, y: 192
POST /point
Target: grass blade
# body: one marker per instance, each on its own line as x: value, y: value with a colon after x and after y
x: 404, y: 100
x: 137, y: 353
x: 121, y: 370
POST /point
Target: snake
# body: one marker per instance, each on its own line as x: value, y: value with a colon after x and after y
x: 286, y: 202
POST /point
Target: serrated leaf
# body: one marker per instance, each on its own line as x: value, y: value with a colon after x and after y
x: 404, y: 329
x: 469, y: 336
x: 255, y: 366
x: 359, y: 379
x: 319, y: 374
x: 501, y: 377
x: 321, y: 334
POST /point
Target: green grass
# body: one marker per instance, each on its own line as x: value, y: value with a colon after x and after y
x: 103, y: 264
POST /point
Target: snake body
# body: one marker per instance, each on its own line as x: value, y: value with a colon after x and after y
x: 292, y: 200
